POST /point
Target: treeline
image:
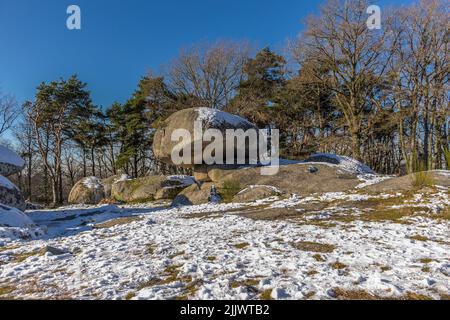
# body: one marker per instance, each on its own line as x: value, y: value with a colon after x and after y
x: 380, y: 96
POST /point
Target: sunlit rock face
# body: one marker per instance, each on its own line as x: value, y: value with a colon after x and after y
x: 163, y: 146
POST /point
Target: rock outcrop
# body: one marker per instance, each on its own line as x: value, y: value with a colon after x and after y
x: 291, y: 179
x: 88, y: 190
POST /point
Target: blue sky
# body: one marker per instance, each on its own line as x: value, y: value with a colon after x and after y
x: 121, y: 40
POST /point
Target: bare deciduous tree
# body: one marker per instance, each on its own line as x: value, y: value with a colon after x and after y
x: 356, y: 59
x: 209, y: 72
x: 8, y: 112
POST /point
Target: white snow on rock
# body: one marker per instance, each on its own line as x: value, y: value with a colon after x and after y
x: 12, y: 217
x: 4, y: 182
x: 344, y: 162
x: 183, y: 180
x: 217, y: 117
x: 123, y: 177
x: 16, y: 225
x: 93, y: 183
x: 10, y: 157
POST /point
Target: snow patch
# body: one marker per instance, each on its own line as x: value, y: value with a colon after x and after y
x: 92, y: 183
x: 10, y: 157
x: 4, y: 182
x: 12, y: 217
x: 183, y: 180
x: 217, y: 117
x: 346, y: 163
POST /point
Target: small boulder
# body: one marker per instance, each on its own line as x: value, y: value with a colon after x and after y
x: 55, y: 251
x: 88, y: 190
x: 253, y: 193
x: 194, y: 195
x: 10, y: 162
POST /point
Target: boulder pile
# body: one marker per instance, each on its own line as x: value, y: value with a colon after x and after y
x: 163, y: 146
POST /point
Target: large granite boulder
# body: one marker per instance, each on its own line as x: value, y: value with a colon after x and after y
x: 10, y: 195
x: 10, y: 162
x: 163, y: 146
x: 88, y: 190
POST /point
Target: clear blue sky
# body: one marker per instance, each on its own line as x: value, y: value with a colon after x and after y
x: 121, y: 40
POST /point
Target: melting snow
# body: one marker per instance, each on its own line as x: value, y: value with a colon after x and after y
x: 217, y: 117
x: 204, y: 245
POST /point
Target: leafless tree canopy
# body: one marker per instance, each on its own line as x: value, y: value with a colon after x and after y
x: 8, y: 113
x: 210, y: 72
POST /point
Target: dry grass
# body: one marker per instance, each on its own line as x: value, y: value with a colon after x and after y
x: 426, y: 260
x: 130, y: 296
x: 20, y: 257
x: 344, y: 294
x: 211, y: 258
x: 319, y: 258
x: 266, y: 295
x: 150, y: 248
x: 314, y: 247
x: 419, y: 238
x: 242, y: 245
x: 244, y: 283
x: 6, y: 289
x: 117, y: 222
x: 338, y: 265
x: 422, y: 179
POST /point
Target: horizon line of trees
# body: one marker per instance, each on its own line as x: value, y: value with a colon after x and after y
x: 380, y: 96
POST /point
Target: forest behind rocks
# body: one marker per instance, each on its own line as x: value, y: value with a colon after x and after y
x: 379, y: 96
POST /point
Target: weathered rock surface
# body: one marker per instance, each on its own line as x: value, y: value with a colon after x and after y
x: 253, y: 193
x: 346, y: 163
x: 10, y: 162
x: 150, y: 188
x: 405, y: 183
x: 184, y: 119
x: 291, y: 179
x: 194, y: 195
x: 10, y: 195
x: 108, y: 183
x: 88, y: 190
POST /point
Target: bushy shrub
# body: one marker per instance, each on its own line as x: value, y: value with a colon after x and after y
x: 229, y: 189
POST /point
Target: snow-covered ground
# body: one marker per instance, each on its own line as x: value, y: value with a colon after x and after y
x: 213, y: 252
